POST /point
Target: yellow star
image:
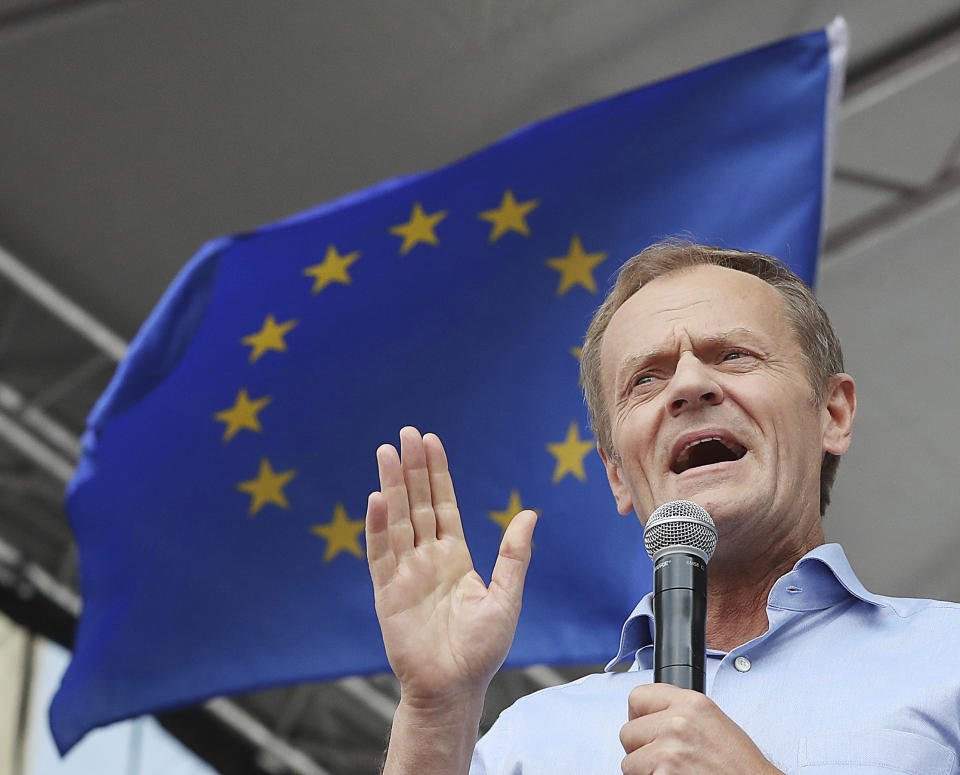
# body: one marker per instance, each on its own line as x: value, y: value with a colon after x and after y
x: 576, y: 268
x: 341, y: 534
x: 510, y: 216
x: 243, y: 414
x: 270, y: 337
x: 333, y: 269
x: 418, y: 229
x: 505, y: 517
x: 576, y: 352
x: 267, y: 487
x: 570, y: 454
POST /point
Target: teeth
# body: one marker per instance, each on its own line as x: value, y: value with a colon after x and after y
x: 685, y: 452
x: 683, y: 461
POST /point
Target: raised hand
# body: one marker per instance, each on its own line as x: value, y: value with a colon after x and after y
x: 446, y: 633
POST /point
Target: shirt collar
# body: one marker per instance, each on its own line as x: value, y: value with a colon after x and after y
x: 637, y: 631
x: 820, y: 579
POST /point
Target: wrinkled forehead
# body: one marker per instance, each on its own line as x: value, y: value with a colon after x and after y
x: 702, y: 301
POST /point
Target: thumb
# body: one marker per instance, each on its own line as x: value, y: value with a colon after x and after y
x: 514, y: 558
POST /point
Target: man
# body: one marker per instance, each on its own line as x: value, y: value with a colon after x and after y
x: 714, y: 376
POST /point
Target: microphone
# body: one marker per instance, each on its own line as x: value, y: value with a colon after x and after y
x: 680, y: 538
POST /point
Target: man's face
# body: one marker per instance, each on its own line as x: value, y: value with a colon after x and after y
x: 709, y: 401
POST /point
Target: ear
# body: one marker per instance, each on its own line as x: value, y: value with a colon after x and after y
x: 839, y: 407
x: 617, y: 486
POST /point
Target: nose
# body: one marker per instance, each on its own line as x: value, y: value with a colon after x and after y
x: 692, y: 386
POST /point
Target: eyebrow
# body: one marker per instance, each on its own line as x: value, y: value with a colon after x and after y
x: 731, y: 335
x: 637, y: 360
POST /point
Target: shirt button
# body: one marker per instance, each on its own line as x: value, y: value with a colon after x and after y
x: 742, y: 664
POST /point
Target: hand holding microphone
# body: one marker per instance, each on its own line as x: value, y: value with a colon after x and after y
x: 671, y: 728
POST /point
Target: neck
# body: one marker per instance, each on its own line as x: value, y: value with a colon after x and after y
x: 738, y: 588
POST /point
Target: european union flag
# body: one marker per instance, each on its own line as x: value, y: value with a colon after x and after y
x: 219, y: 504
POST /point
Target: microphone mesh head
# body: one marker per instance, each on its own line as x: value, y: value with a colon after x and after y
x: 681, y: 524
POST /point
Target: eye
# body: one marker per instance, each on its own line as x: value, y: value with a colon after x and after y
x: 735, y: 355
x: 645, y: 382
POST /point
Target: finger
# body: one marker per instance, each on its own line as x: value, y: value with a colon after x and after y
x: 510, y: 569
x: 441, y: 489
x: 651, y: 698
x: 380, y: 557
x: 394, y: 492
x: 642, y: 731
x: 639, y: 763
x: 413, y: 459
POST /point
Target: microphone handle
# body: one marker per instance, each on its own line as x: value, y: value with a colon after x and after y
x: 680, y: 617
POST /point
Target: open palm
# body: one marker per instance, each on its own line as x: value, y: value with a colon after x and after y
x: 444, y: 630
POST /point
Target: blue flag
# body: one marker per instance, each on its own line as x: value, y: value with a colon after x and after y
x: 219, y: 504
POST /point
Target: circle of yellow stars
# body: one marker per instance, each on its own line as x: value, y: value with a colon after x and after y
x: 341, y: 533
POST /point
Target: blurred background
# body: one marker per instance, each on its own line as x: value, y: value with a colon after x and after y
x: 132, y: 131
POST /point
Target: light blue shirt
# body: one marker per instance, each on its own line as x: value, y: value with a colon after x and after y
x: 844, y: 682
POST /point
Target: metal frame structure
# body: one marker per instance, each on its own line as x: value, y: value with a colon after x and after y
x: 42, y: 594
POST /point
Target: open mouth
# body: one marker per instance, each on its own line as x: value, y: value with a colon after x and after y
x: 705, y: 452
